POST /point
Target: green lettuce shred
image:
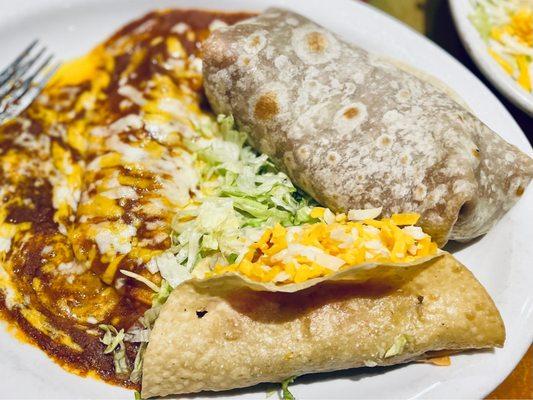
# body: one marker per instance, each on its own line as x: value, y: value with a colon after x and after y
x: 114, y: 340
x: 398, y: 346
x: 481, y: 20
x: 285, y: 392
x: 243, y: 192
x: 136, y: 373
x: 147, y: 321
x: 159, y: 298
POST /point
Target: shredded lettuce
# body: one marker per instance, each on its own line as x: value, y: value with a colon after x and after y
x: 243, y: 193
x: 114, y: 340
x: 285, y: 392
x: 141, y: 279
x: 481, y: 21
x: 137, y: 334
x: 150, y: 315
x: 397, y: 347
x: 169, y: 267
x: 505, y: 27
x: 136, y: 373
x: 141, y: 334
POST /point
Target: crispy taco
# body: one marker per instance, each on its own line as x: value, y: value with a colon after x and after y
x: 250, y: 336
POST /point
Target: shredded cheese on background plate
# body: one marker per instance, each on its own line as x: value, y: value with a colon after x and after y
x: 507, y: 28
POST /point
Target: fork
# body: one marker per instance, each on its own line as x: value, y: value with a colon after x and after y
x: 23, y: 80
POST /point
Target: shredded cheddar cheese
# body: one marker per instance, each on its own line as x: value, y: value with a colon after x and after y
x: 507, y: 28
x: 443, y: 361
x: 296, y: 254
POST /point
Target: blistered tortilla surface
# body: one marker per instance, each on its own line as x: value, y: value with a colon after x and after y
x: 221, y: 337
x: 355, y: 131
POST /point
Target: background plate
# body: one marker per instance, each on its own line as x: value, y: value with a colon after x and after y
x: 477, y: 49
x: 501, y: 260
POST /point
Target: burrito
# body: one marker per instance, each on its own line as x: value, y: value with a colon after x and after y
x: 250, y: 336
x: 355, y: 131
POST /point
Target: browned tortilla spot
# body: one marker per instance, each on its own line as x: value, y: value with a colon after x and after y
x: 351, y: 112
x: 419, y: 192
x: 332, y: 157
x: 316, y: 42
x: 255, y: 41
x: 267, y: 106
x: 520, y: 191
x: 385, y: 141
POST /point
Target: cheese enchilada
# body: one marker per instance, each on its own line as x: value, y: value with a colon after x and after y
x: 91, y: 174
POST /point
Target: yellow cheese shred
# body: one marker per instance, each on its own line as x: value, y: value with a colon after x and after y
x: 508, y: 43
x: 296, y: 254
x: 524, y: 79
x: 508, y: 68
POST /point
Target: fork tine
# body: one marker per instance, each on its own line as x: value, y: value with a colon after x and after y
x: 25, y: 85
x: 18, y: 73
x: 39, y: 86
x: 51, y: 71
x: 13, y: 108
x: 19, y: 58
x: 26, y: 93
x: 9, y: 71
x: 17, y: 94
x: 33, y: 60
x: 23, y: 80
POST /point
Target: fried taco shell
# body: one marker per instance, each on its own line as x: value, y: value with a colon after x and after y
x: 220, y: 334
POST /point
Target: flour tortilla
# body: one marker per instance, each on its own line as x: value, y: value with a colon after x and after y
x: 355, y: 131
x: 212, y: 336
x: 432, y: 80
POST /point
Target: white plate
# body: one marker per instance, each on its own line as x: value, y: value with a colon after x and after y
x: 501, y: 260
x: 477, y: 48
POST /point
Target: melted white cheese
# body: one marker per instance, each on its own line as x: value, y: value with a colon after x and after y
x: 121, y: 192
x: 114, y: 238
x: 5, y: 244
